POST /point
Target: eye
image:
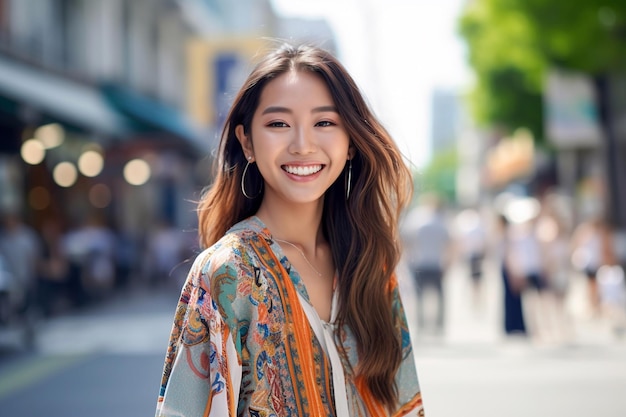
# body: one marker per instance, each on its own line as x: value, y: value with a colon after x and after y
x: 325, y: 123
x: 277, y: 124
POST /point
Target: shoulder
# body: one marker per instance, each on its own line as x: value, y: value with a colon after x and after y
x: 238, y: 258
x: 224, y: 273
x: 229, y: 258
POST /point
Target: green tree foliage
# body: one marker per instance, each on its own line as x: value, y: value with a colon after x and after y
x: 511, y: 44
x: 439, y: 177
x: 583, y: 35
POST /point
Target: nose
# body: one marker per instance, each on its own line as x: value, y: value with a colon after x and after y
x: 303, y: 141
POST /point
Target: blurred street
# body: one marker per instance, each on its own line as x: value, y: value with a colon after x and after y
x: 101, y: 361
x: 472, y: 369
x: 106, y: 360
x: 512, y: 120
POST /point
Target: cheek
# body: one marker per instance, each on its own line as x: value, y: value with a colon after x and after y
x: 343, y: 149
x: 267, y: 142
x: 335, y: 142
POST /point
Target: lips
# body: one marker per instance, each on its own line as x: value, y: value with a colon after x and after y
x: 302, y: 171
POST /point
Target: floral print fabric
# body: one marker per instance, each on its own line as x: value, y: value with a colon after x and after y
x: 242, y: 345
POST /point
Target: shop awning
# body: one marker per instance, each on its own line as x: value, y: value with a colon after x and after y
x: 69, y: 101
x: 152, y: 114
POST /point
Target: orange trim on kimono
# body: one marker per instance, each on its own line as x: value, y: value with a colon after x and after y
x: 416, y: 402
x: 302, y: 334
x: 373, y: 407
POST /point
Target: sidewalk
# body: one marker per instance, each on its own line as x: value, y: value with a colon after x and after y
x: 137, y: 321
x: 474, y: 370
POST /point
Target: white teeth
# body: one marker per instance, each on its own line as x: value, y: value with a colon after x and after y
x: 303, y: 171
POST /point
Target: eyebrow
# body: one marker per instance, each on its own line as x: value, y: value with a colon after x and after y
x: 279, y: 109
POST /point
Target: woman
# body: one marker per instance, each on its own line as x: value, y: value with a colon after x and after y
x: 293, y: 309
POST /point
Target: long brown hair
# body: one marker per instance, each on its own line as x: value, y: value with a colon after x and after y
x: 362, y: 230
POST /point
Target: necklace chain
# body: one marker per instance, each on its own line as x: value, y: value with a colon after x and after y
x: 301, y: 253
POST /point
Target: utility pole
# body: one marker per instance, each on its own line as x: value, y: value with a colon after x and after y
x: 616, y: 191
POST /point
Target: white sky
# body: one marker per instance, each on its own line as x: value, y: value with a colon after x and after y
x: 398, y: 51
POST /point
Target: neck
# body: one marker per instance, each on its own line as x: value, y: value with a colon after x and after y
x: 299, y: 224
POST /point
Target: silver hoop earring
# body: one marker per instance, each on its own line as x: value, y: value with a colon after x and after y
x: 349, y: 183
x: 243, y: 179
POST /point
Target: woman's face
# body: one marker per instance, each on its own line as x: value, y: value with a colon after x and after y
x: 297, y: 138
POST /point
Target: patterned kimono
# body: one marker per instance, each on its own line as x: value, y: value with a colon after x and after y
x: 242, y: 345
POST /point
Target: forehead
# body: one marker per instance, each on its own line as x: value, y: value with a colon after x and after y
x: 296, y: 86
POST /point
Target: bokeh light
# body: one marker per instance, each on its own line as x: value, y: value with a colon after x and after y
x: 33, y: 151
x: 521, y: 210
x: 50, y: 135
x: 65, y: 174
x: 90, y: 163
x: 137, y: 172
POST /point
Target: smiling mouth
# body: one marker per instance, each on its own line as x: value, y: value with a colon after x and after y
x: 302, y: 171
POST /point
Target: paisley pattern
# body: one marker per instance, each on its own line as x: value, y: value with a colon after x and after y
x: 241, y: 344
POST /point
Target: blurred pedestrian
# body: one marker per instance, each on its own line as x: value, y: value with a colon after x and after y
x: 429, y: 246
x: 164, y: 252
x: 472, y: 243
x: 294, y: 307
x: 612, y: 289
x: 20, y: 247
x: 592, y: 247
x: 91, y: 253
x: 53, y: 289
x: 128, y: 258
x: 527, y: 268
x: 554, y: 234
x: 513, y: 284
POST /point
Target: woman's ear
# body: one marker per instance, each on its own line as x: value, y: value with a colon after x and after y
x: 244, y: 140
x: 351, y: 152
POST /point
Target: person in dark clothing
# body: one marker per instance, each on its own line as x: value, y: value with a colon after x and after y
x: 513, y: 309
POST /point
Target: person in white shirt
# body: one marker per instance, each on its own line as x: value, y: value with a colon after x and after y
x: 428, y: 245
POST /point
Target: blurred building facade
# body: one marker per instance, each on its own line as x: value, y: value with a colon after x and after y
x: 445, y: 120
x: 113, y: 107
x: 585, y: 123
x: 104, y: 80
